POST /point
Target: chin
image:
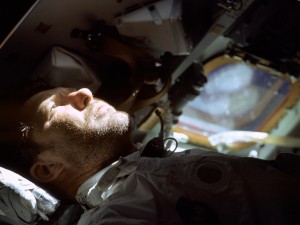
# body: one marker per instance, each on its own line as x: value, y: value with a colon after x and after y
x: 116, y: 122
x: 121, y: 121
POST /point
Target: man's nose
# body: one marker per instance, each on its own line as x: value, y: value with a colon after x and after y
x: 80, y: 99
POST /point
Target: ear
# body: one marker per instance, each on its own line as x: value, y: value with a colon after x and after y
x: 46, y: 168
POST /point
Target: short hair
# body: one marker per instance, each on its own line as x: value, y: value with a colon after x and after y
x: 18, y: 148
x: 29, y: 149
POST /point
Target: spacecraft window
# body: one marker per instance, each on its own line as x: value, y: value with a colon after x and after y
x: 237, y: 96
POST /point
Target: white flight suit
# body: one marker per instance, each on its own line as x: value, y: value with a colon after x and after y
x: 202, y: 188
x: 22, y: 202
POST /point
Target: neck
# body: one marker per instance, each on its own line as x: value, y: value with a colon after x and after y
x: 66, y: 186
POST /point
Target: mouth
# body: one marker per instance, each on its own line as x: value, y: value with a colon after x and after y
x: 102, y: 109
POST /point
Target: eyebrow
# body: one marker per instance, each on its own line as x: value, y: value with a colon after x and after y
x: 43, y: 105
x: 58, y: 95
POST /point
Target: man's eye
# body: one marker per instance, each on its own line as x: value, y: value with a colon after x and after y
x: 51, y: 110
x: 53, y: 106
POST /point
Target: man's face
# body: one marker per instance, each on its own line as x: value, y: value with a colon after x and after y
x: 65, y: 115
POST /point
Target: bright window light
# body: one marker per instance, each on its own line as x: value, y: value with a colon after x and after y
x: 236, y: 97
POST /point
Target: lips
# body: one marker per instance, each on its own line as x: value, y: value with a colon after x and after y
x: 101, y: 109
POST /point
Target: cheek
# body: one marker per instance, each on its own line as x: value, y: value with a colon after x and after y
x: 65, y: 119
x: 42, y: 136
